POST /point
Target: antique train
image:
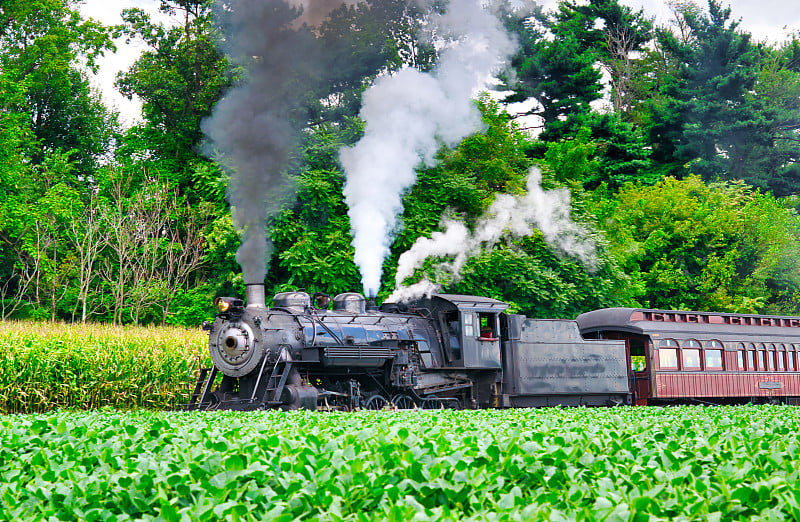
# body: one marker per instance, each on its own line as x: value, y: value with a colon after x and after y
x: 455, y: 351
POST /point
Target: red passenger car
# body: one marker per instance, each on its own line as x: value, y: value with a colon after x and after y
x: 678, y: 356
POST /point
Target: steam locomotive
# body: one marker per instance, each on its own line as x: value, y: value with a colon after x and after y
x: 457, y: 351
x: 449, y: 351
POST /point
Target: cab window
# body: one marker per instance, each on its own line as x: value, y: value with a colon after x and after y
x: 453, y: 333
x: 487, y: 327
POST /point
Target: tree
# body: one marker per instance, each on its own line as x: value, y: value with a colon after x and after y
x: 557, y: 71
x: 154, y: 246
x: 560, y: 58
x: 44, y: 43
x: 179, y: 79
x: 717, y: 247
x: 707, y: 119
x: 770, y: 159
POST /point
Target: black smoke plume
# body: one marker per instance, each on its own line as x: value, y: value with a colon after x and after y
x: 255, y: 126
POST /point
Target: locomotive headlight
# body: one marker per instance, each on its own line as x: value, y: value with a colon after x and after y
x: 228, y: 304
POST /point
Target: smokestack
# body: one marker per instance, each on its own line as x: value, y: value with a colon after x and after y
x: 256, y: 298
x: 371, y: 305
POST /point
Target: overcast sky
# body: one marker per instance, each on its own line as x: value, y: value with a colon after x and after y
x: 766, y: 20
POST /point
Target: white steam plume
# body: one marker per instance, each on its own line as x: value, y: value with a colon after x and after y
x: 408, y: 116
x: 516, y: 216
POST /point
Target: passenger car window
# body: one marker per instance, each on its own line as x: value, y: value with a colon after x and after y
x: 714, y: 355
x: 668, y: 358
x: 691, y: 359
x: 713, y: 359
x: 668, y: 354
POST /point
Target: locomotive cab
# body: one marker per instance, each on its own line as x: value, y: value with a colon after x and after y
x: 471, y: 329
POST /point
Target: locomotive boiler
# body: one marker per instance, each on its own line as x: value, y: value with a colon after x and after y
x: 445, y: 350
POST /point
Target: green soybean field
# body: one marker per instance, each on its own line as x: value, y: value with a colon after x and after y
x: 682, y: 463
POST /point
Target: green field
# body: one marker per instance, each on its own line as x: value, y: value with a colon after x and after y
x: 552, y: 464
x: 47, y: 366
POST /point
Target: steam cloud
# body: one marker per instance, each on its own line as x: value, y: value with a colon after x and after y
x: 317, y: 11
x: 408, y: 116
x: 549, y: 211
x: 254, y: 127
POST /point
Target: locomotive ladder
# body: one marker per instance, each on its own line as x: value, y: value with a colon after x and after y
x: 277, y: 380
x: 202, y: 385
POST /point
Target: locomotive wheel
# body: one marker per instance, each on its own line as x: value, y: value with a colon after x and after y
x: 432, y: 402
x: 402, y: 401
x: 376, y: 402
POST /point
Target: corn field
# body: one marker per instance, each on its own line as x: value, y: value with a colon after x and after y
x: 47, y: 366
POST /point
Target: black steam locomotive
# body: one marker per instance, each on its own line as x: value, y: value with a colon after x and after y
x: 449, y: 351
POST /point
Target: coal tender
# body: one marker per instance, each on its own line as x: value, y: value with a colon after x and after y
x: 445, y: 351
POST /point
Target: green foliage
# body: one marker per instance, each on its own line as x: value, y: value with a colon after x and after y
x: 707, y: 119
x: 545, y: 464
x: 314, y: 240
x: 192, y: 307
x: 179, y: 78
x: 706, y: 247
x: 538, y: 282
x: 42, y: 45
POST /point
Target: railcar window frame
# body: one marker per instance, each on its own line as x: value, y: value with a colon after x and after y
x: 790, y: 359
x: 740, y: 356
x: 690, y: 353
x: 751, y: 357
x: 762, y: 357
x: 717, y: 347
x: 771, y: 357
x: 668, y: 352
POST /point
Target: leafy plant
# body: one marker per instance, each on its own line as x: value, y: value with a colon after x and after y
x: 630, y: 463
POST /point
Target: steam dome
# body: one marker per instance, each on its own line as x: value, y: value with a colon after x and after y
x: 286, y: 299
x: 352, y: 302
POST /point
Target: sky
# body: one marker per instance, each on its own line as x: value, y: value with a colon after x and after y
x: 108, y: 13
x: 767, y: 20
